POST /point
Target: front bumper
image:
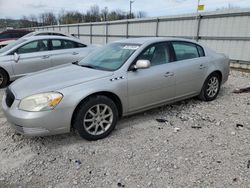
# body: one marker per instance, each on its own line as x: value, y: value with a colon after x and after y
x: 43, y: 123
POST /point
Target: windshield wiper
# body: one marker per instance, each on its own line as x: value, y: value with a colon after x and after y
x: 88, y: 66
x: 75, y: 63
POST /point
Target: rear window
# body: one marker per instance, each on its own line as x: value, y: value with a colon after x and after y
x: 49, y: 33
x: 58, y: 34
x: 42, y: 34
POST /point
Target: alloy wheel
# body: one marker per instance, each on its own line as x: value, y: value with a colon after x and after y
x: 212, y: 86
x: 98, y: 119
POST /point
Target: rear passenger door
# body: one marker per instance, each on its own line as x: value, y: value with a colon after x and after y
x: 64, y: 51
x: 191, y: 65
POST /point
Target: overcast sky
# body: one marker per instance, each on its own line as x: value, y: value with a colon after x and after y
x: 153, y: 8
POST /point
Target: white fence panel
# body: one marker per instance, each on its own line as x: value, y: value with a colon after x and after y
x: 139, y: 29
x: 227, y: 32
x: 117, y: 29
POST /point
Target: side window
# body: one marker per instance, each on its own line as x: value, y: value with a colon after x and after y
x: 148, y: 53
x: 69, y: 44
x: 201, y: 51
x: 79, y: 45
x: 57, y: 44
x: 62, y: 44
x: 35, y: 46
x: 185, y: 50
x: 157, y: 54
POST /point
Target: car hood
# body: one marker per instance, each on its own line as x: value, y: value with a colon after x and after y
x: 54, y: 79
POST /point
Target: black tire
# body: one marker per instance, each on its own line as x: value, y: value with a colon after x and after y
x: 204, y: 94
x: 83, y: 111
x: 4, y: 78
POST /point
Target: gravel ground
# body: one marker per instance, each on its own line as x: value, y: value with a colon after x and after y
x: 199, y: 146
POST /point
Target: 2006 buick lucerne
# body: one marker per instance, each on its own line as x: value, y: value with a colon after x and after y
x: 120, y: 79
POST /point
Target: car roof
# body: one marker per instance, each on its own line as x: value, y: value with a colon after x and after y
x: 35, y: 32
x: 50, y: 37
x: 143, y: 40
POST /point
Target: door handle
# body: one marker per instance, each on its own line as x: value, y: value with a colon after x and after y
x: 202, y: 66
x: 168, y: 74
x: 75, y: 53
x: 45, y: 57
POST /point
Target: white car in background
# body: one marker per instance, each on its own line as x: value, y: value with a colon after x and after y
x: 36, y: 33
x: 53, y: 33
x: 31, y: 54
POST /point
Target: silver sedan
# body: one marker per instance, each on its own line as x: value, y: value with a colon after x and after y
x: 120, y: 79
x: 32, y: 54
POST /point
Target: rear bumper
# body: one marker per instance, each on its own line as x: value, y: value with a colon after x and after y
x: 44, y: 123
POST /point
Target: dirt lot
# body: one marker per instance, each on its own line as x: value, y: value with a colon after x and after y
x: 142, y: 152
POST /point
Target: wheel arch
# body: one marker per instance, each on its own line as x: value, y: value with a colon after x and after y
x: 218, y: 72
x: 1, y: 68
x: 108, y: 94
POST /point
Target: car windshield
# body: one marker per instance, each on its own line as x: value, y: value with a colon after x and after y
x: 11, y: 45
x: 110, y: 57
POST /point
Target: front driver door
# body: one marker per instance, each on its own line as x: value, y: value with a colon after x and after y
x: 33, y: 57
x: 154, y: 85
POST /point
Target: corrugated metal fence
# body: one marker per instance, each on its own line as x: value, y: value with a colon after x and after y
x: 226, y: 32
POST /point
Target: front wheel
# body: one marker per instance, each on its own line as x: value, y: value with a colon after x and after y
x: 211, y: 88
x: 96, y: 118
x: 4, y: 79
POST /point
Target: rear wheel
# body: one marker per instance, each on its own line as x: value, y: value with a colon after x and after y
x: 211, y: 87
x: 4, y: 79
x: 96, y: 118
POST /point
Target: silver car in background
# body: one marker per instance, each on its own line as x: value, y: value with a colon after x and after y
x: 42, y: 33
x: 31, y: 54
x: 120, y: 79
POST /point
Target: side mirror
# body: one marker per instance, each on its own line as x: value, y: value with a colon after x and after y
x: 16, y: 57
x: 142, y: 64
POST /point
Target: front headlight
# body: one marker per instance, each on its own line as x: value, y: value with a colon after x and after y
x: 40, y: 102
